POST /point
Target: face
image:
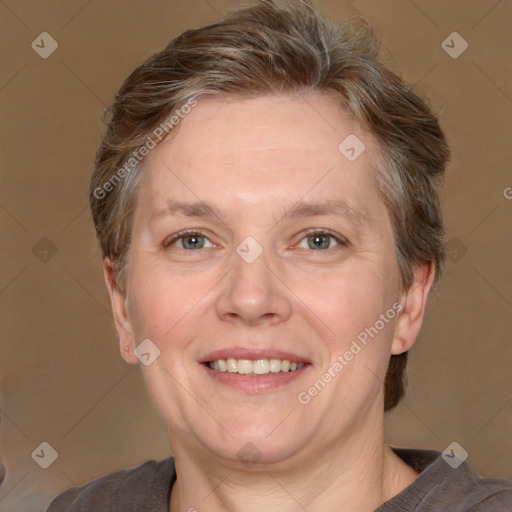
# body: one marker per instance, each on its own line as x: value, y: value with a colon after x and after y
x: 257, y: 243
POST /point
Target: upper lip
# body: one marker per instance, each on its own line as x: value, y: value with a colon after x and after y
x: 252, y: 354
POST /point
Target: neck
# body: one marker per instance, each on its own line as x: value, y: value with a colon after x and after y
x: 356, y: 473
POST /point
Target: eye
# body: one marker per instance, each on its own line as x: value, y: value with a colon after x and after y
x: 188, y: 240
x: 320, y: 239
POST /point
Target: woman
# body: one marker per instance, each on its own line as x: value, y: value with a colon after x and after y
x: 265, y: 201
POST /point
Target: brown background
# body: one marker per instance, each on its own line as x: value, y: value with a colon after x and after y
x: 62, y: 380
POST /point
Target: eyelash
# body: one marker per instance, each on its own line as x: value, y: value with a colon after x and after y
x: 322, y: 231
x: 314, y: 231
x: 181, y: 234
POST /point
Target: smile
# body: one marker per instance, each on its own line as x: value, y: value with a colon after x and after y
x: 254, y: 367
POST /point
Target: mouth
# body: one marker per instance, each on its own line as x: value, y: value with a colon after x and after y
x: 255, y: 367
x: 254, y: 370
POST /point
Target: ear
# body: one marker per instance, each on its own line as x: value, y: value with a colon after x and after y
x: 414, y: 302
x: 121, y: 318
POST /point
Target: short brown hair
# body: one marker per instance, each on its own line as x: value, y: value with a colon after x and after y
x: 269, y: 49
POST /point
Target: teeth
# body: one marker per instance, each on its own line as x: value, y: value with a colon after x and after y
x: 244, y: 366
x: 261, y: 366
x: 275, y: 365
x: 231, y: 365
x: 258, y: 367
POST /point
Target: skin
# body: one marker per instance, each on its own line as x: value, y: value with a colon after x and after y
x: 254, y: 159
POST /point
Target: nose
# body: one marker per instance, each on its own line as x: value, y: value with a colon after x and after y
x: 253, y: 294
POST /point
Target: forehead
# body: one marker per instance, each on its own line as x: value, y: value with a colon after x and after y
x: 247, y: 153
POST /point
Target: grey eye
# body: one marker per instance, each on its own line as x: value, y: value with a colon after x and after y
x: 192, y: 241
x: 318, y: 241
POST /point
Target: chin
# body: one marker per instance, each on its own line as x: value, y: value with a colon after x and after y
x: 258, y: 444
x: 255, y: 454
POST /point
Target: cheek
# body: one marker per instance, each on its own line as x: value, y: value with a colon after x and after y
x: 163, y: 303
x: 153, y: 303
x: 347, y: 306
x: 348, y: 299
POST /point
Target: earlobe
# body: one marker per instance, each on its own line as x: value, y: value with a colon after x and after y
x: 127, y: 354
x: 414, y: 301
x: 122, y: 321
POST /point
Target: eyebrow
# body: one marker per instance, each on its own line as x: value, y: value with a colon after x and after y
x: 198, y: 209
x: 203, y: 209
x: 338, y: 208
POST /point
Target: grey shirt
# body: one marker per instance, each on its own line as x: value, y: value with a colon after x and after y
x: 438, y: 487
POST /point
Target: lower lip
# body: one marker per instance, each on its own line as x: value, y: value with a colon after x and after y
x: 255, y: 384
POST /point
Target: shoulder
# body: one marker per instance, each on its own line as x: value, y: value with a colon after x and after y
x: 484, y: 494
x: 444, y: 483
x: 148, y: 483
